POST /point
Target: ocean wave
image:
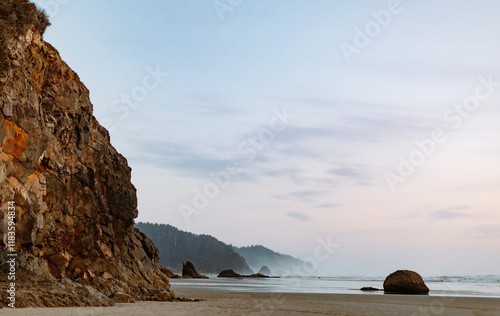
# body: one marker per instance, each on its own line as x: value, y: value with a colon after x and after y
x: 466, y: 279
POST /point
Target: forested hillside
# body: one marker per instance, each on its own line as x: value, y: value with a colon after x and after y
x: 279, y: 264
x: 208, y: 254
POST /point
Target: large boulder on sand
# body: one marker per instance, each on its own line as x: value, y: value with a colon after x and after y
x: 405, y: 282
x: 189, y: 271
x: 265, y: 270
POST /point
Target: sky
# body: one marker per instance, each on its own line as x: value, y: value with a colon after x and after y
x: 361, y: 136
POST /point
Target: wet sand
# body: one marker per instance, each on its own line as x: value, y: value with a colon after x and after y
x: 230, y: 303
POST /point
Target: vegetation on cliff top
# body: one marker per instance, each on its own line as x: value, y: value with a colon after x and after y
x: 16, y: 17
x: 75, y: 240
x: 4, y: 61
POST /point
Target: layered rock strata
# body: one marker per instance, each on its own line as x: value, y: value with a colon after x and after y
x: 74, y: 202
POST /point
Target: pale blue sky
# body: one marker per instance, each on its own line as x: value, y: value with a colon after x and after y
x: 324, y: 173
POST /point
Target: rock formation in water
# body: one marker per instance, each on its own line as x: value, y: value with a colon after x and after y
x: 208, y: 254
x: 370, y: 289
x: 405, y: 282
x: 189, y: 271
x: 280, y: 264
x: 231, y: 274
x: 265, y: 270
x: 74, y: 202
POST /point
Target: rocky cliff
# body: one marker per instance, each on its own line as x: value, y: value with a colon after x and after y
x: 73, y: 199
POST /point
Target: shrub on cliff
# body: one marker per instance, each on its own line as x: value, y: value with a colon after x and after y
x: 16, y: 17
x: 4, y: 61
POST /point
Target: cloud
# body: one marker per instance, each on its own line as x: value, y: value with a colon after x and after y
x: 361, y: 120
x: 346, y: 172
x: 197, y: 159
x: 277, y: 173
x: 455, y: 212
x: 452, y: 213
x: 299, y: 216
x: 305, y: 196
x: 329, y: 205
x: 204, y: 105
x: 185, y: 159
x: 487, y: 231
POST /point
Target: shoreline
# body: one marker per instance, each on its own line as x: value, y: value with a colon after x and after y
x: 218, y: 302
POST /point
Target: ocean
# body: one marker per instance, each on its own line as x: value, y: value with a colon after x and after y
x: 460, y: 286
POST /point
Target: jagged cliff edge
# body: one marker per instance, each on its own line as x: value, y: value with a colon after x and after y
x: 75, y: 205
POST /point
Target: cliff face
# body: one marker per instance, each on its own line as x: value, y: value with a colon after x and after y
x: 75, y: 205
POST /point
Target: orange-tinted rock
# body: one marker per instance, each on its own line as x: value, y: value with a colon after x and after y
x: 75, y: 203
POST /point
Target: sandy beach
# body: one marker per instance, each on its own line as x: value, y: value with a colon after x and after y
x: 239, y: 303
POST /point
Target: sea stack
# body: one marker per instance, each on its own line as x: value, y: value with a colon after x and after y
x: 189, y: 271
x: 265, y: 270
x: 229, y: 273
x: 69, y: 189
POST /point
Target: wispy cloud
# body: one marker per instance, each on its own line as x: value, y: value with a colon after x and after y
x: 299, y: 216
x: 486, y: 231
x: 346, y: 172
x: 185, y: 159
x: 449, y: 213
x: 329, y: 205
x: 214, y: 106
x: 303, y: 196
x: 452, y: 213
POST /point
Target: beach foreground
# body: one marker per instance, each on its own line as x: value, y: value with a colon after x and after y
x: 242, y: 303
